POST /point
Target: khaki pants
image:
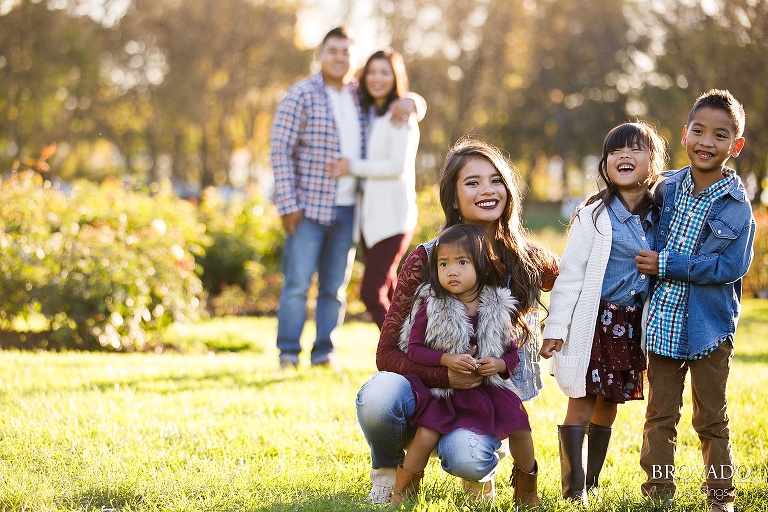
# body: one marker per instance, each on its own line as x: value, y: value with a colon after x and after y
x: 666, y: 380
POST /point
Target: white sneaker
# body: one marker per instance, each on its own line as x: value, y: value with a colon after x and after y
x: 383, y: 480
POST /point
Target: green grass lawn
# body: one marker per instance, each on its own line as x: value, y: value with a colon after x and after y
x: 229, y: 432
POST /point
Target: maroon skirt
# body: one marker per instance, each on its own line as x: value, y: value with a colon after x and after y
x: 483, y: 410
x: 617, y: 363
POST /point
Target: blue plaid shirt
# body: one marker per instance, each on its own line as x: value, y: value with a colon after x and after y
x: 304, y: 139
x: 668, y: 310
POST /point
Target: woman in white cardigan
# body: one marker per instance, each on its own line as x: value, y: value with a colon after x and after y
x: 595, y: 328
x: 387, y: 209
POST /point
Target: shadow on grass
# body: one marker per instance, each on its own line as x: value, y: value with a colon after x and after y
x: 759, y: 358
x: 223, y: 378
x: 340, y: 502
x: 104, y: 500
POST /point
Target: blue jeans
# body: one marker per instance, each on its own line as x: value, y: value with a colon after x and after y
x: 327, y: 251
x: 384, y: 405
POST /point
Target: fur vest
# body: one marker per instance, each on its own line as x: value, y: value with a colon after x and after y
x: 449, y: 329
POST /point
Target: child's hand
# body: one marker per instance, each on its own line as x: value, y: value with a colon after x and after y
x: 461, y: 363
x: 549, y: 347
x: 490, y: 366
x: 647, y: 262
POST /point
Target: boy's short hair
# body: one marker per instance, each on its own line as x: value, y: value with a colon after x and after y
x: 339, y: 33
x: 721, y: 99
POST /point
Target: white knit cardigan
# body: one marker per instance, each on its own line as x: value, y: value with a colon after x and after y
x: 575, y: 298
x: 388, y: 204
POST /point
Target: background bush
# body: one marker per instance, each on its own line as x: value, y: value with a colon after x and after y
x: 101, y: 266
x: 243, y: 248
x: 111, y: 265
x: 756, y: 282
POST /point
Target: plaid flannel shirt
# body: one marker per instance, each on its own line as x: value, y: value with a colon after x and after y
x: 304, y: 139
x: 669, y: 303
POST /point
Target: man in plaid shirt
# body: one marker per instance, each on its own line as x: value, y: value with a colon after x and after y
x: 707, y: 231
x: 318, y: 122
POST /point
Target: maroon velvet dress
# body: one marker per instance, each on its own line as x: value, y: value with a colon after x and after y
x: 484, y: 410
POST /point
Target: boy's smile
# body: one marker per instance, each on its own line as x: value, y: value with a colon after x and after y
x: 710, y: 140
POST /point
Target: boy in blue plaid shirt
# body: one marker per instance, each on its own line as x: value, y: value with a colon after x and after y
x: 706, y: 233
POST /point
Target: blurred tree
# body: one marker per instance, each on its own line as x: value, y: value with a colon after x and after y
x: 457, y: 56
x: 174, y: 87
x: 701, y: 46
x: 568, y: 100
x: 225, y: 66
x: 535, y: 77
x: 165, y: 81
x: 49, y: 65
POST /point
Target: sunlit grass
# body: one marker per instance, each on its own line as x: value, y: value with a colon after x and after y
x: 231, y: 432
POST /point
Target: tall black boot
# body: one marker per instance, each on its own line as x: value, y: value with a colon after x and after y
x: 573, y: 447
x: 597, y: 446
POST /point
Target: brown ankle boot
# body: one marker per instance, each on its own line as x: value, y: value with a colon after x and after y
x: 406, y: 485
x: 525, y: 484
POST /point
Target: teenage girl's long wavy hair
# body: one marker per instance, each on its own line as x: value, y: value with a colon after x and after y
x: 637, y: 134
x: 522, y: 258
x: 472, y: 240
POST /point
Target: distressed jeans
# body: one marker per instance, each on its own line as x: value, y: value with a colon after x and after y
x: 384, y: 405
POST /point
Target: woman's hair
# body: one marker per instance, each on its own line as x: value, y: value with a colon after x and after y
x: 523, y: 259
x: 400, y: 87
x: 471, y: 239
x: 638, y: 134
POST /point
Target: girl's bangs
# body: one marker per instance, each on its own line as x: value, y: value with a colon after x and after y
x: 626, y: 135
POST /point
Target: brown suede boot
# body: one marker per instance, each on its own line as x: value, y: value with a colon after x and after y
x: 406, y: 485
x: 525, y: 484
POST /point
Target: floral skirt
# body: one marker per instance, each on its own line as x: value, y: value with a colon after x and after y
x: 617, y: 363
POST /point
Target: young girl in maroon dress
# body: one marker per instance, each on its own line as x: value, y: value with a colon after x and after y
x: 462, y: 318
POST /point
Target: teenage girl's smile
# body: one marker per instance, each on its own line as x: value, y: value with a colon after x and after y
x: 481, y: 193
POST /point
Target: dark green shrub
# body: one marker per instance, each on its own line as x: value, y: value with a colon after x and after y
x: 103, y: 266
x: 242, y: 255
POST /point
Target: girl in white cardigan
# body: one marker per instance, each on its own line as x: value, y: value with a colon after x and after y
x: 595, y: 327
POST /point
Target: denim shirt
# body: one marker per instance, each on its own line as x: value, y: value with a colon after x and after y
x: 721, y: 257
x: 623, y: 284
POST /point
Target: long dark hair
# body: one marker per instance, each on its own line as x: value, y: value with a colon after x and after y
x: 522, y: 258
x: 473, y: 240
x: 637, y: 134
x: 400, y: 87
